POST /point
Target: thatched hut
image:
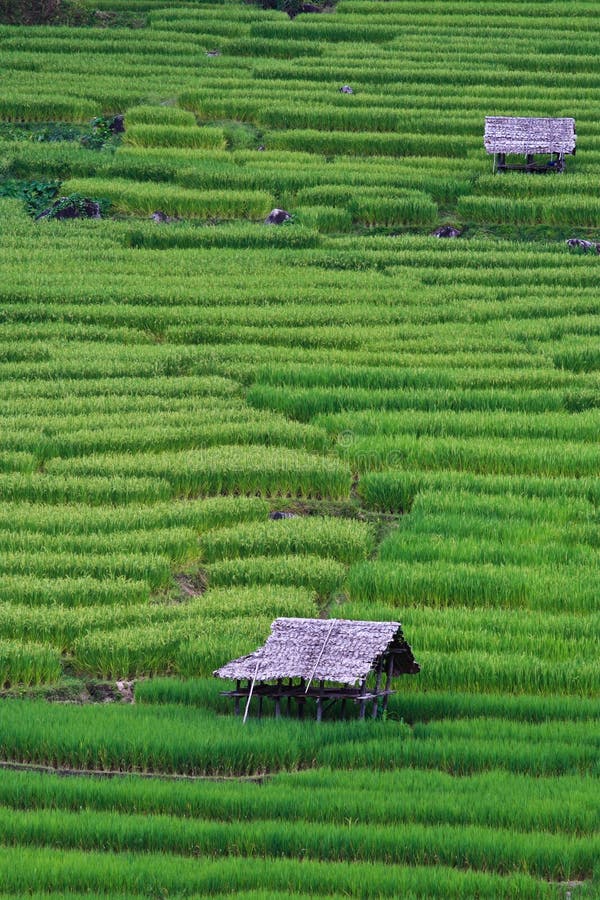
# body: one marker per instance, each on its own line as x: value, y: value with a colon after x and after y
x: 530, y: 137
x: 329, y: 660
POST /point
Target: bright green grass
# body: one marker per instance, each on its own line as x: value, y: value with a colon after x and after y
x: 427, y: 409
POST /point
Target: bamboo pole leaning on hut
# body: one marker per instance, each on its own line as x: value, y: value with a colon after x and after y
x: 250, y: 692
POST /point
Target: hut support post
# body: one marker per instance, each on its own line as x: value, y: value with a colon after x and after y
x: 377, y: 688
x: 320, y: 702
x: 388, y: 680
x: 250, y: 692
x: 300, y: 700
x: 363, y: 703
x: 278, y: 699
x: 237, y: 699
x: 289, y: 699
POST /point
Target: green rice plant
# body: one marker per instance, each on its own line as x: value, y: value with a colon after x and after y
x: 410, y: 703
x: 414, y: 209
x: 303, y: 134
x: 236, y: 235
x: 264, y: 601
x: 578, y: 356
x: 191, y: 638
x: 154, y: 569
x: 16, y: 462
x: 419, y: 788
x: 45, y: 108
x: 60, y: 625
x: 578, y: 211
x: 174, y: 135
x: 249, y: 470
x: 28, y: 663
x: 346, y: 540
x: 441, y: 583
x: 477, y: 671
x: 201, y: 515
x: 495, y: 507
x: 200, y: 363
x: 472, y: 847
x: 508, y: 456
x: 430, y: 705
x: 35, y: 590
x: 452, y: 629
x: 172, y: 432
x: 131, y: 651
x: 166, y: 739
x: 177, y: 544
x: 159, y: 115
x: 518, y: 546
x: 583, y: 426
x: 145, y: 198
x: 321, y: 575
x: 304, y: 403
x: 326, y: 219
x: 397, y: 490
x: 94, y: 490
x: 121, y: 873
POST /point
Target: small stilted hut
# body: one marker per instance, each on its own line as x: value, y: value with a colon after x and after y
x: 552, y: 139
x: 328, y: 660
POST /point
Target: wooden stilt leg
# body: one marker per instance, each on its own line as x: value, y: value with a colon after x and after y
x: 388, y: 681
x: 320, y: 702
x: 278, y: 699
x: 300, y: 701
x: 363, y: 703
x: 377, y: 687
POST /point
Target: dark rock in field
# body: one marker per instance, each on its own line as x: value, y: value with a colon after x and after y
x: 213, y: 52
x: 586, y: 246
x: 262, y: 147
x: 346, y: 89
x: 117, y: 124
x: 191, y: 585
x: 447, y: 231
x: 160, y: 216
x: 125, y: 689
x: 101, y: 692
x: 277, y: 217
x: 88, y: 209
x: 276, y: 514
x: 63, y: 208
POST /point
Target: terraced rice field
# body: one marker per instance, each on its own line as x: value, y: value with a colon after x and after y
x: 429, y: 409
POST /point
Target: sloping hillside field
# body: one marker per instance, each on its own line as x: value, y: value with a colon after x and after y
x: 173, y: 371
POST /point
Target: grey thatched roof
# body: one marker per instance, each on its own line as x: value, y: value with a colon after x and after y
x: 340, y: 650
x: 504, y: 134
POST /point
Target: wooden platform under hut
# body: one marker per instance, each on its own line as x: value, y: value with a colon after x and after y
x: 551, y: 139
x: 330, y: 661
